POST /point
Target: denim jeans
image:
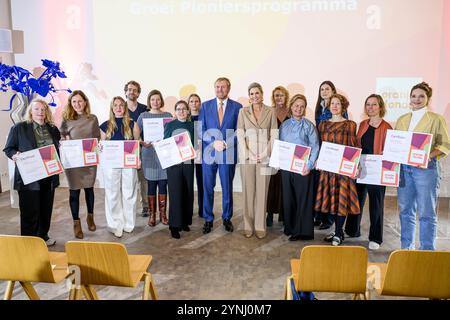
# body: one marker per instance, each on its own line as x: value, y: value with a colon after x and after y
x: 418, y: 191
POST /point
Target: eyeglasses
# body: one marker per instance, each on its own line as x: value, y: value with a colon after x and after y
x: 181, y: 109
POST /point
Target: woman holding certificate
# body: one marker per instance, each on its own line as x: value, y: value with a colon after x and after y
x: 256, y: 131
x: 120, y: 183
x: 298, y: 188
x: 280, y: 100
x: 371, y: 137
x: 79, y: 123
x: 155, y: 175
x: 337, y: 194
x: 180, y: 177
x: 35, y: 198
x: 418, y: 189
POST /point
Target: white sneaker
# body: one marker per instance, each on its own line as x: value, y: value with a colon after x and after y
x: 128, y: 230
x: 336, y: 241
x: 373, y: 245
x: 118, y: 233
x: 50, y: 242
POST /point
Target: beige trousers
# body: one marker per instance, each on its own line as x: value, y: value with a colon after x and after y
x: 143, y: 188
x: 255, y: 184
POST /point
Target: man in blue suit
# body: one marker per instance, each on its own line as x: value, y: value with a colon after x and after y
x: 218, y: 119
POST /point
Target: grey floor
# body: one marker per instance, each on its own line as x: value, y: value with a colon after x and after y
x: 219, y: 265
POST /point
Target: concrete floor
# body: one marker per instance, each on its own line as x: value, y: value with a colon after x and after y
x: 219, y: 265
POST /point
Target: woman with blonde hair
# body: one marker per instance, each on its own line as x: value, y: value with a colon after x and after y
x: 79, y: 123
x: 298, y: 188
x: 36, y: 198
x: 257, y: 129
x: 371, y: 137
x: 120, y: 184
x: 280, y: 99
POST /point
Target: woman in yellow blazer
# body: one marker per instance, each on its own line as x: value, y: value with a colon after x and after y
x: 418, y: 190
x: 257, y: 129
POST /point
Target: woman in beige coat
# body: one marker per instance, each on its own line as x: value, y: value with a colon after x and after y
x: 79, y: 123
x: 257, y: 129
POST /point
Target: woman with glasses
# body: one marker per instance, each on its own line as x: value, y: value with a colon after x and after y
x: 180, y: 177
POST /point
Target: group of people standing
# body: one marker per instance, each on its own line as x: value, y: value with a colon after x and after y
x: 223, y: 131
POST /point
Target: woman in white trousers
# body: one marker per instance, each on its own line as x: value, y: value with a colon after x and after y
x: 120, y: 184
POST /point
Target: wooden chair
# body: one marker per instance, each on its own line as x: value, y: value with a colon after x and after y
x: 414, y: 273
x: 108, y: 264
x: 27, y: 259
x: 330, y: 269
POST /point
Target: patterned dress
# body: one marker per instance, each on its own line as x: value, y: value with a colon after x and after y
x: 336, y: 194
x: 150, y: 162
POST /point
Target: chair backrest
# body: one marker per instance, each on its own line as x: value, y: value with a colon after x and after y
x: 414, y: 273
x: 333, y: 269
x: 24, y: 258
x: 100, y: 263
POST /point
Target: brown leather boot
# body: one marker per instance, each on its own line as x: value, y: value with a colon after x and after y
x: 152, y: 211
x: 90, y: 222
x: 77, y: 229
x: 162, y: 208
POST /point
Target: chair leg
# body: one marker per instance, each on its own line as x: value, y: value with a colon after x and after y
x: 288, y: 290
x: 92, y: 292
x: 9, y: 290
x: 72, y: 294
x: 77, y: 294
x: 86, y: 293
x: 29, y: 290
x: 153, y: 292
x: 145, y: 294
x: 89, y: 292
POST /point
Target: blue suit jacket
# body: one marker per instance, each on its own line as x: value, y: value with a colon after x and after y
x: 211, y: 131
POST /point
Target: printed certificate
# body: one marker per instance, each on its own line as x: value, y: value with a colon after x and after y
x: 154, y: 128
x: 376, y: 171
x: 79, y: 153
x: 119, y: 154
x: 174, y: 150
x: 412, y: 148
x: 289, y: 156
x: 38, y: 164
x: 338, y: 159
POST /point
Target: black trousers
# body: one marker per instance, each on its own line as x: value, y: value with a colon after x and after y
x: 74, y: 201
x: 298, y: 192
x: 36, y: 210
x: 152, y: 185
x: 180, y: 179
x: 199, y: 178
x: 376, y: 211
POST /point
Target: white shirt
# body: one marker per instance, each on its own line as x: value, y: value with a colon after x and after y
x: 417, y: 115
x: 224, y: 104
